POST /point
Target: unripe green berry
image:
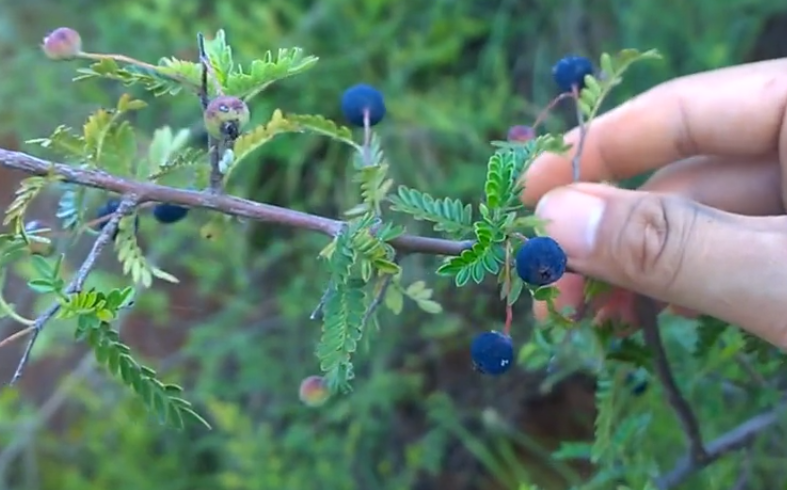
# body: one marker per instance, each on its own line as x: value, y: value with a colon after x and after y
x: 313, y: 391
x: 225, y: 116
x: 63, y: 43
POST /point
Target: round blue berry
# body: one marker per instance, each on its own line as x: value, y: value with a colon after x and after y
x: 362, y: 98
x: 169, y: 213
x: 492, y: 353
x: 107, y: 209
x: 540, y: 261
x: 571, y: 71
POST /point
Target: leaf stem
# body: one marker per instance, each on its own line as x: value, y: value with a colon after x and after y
x: 9, y: 310
x: 138, y: 63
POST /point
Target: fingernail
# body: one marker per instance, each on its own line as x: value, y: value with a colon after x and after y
x: 573, y: 219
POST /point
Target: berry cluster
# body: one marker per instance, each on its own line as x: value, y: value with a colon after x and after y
x: 163, y: 213
x: 540, y: 261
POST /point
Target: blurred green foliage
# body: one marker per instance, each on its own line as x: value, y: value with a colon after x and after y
x: 455, y: 75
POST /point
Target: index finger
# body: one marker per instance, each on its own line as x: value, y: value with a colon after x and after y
x: 737, y: 112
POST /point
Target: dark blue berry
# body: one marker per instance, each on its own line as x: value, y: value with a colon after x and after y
x: 359, y: 99
x: 107, y: 209
x: 571, y: 71
x: 540, y: 261
x: 492, y: 353
x: 169, y: 213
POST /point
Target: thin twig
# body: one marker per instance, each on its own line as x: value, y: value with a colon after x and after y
x: 583, y: 133
x: 378, y: 299
x: 16, y: 335
x: 545, y: 111
x: 125, y: 206
x: 13, y: 315
x: 209, y: 71
x: 647, y: 315
x: 215, y: 147
x: 230, y: 205
x: 317, y: 313
x: 733, y: 440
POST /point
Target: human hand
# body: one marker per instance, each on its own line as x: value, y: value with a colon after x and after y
x: 708, y: 231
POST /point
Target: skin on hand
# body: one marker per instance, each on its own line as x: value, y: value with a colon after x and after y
x: 719, y: 139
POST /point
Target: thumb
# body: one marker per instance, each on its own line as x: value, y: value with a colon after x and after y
x: 677, y: 251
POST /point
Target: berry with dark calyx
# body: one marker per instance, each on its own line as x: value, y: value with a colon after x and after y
x: 360, y: 100
x: 520, y: 134
x: 63, y: 43
x: 313, y: 391
x: 492, y: 353
x: 570, y: 72
x: 108, y: 209
x: 169, y: 213
x: 226, y: 116
x: 540, y: 261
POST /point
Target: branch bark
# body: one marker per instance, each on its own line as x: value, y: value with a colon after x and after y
x: 647, y: 313
x: 736, y: 439
x: 226, y: 204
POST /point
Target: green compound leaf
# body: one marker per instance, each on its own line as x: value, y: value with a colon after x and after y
x: 709, y: 332
x: 64, y: 142
x: 132, y: 258
x: 613, y: 67
x: 375, y: 185
x: 159, y: 398
x: 474, y: 263
x: 376, y: 252
x: 28, y: 190
x: 170, y: 77
x: 193, y: 162
x: 371, y: 174
x: 168, y: 156
x: 106, y: 142
x: 343, y: 315
x: 220, y: 55
x: 422, y: 296
x: 104, y: 306
x: 448, y: 215
x: 500, y: 178
x: 605, y: 417
x: 279, y: 124
x: 262, y: 73
x: 70, y: 206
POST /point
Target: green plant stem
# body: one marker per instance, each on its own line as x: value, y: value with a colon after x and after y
x: 9, y: 310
